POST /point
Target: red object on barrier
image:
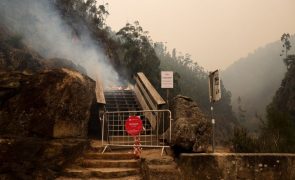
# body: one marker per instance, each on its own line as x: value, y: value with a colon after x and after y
x: 133, y: 125
x: 136, y: 148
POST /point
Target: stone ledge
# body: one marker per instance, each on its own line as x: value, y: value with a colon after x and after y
x: 230, y: 166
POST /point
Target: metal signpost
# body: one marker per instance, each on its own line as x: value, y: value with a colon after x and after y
x: 214, y: 95
x: 167, y: 82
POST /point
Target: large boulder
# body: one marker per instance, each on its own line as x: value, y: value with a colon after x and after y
x: 191, y: 130
x: 51, y: 103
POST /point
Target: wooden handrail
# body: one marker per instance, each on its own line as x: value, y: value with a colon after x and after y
x: 148, y: 96
x: 100, y: 99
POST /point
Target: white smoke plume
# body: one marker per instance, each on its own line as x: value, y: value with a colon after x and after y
x: 43, y: 29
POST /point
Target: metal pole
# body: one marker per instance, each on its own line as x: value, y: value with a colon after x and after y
x: 167, y: 98
x: 170, y: 119
x: 102, y: 132
x: 213, y: 129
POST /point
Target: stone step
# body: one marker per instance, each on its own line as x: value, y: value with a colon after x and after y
x: 105, y: 173
x: 162, y: 161
x: 128, y: 178
x: 110, y: 156
x: 129, y: 138
x: 164, y: 172
x: 131, y: 143
x: 132, y: 163
x: 67, y: 178
x: 161, y: 168
x: 136, y: 177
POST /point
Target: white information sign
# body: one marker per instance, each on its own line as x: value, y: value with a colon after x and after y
x: 167, y: 79
x: 214, y: 86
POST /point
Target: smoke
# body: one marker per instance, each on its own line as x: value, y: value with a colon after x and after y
x: 43, y: 29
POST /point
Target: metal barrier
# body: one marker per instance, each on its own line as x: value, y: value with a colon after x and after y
x: 113, y: 127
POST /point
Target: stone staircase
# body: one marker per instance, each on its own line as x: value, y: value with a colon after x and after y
x: 94, y: 165
x: 144, y: 140
x: 163, y: 168
x: 121, y: 164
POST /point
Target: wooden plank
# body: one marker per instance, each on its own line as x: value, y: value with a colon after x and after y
x: 152, y: 119
x: 145, y: 95
x: 156, y: 96
x: 99, y: 92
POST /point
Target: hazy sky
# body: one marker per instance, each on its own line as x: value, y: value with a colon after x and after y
x: 215, y: 32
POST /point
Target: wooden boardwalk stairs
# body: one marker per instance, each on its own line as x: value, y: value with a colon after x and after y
x: 125, y: 100
x: 121, y: 100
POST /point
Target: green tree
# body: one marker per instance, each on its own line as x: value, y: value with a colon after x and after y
x: 242, y: 142
x: 278, y: 133
x: 138, y: 55
x: 285, y: 38
x: 77, y: 11
x: 288, y: 59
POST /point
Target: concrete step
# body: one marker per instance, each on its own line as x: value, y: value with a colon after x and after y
x: 110, y: 156
x: 132, y: 163
x: 105, y: 173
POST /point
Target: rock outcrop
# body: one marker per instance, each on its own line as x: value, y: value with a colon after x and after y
x: 191, y: 130
x: 51, y: 103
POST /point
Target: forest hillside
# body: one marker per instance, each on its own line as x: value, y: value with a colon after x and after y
x: 253, y: 81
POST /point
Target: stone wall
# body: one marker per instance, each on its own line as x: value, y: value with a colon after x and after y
x: 35, y: 158
x: 231, y: 166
